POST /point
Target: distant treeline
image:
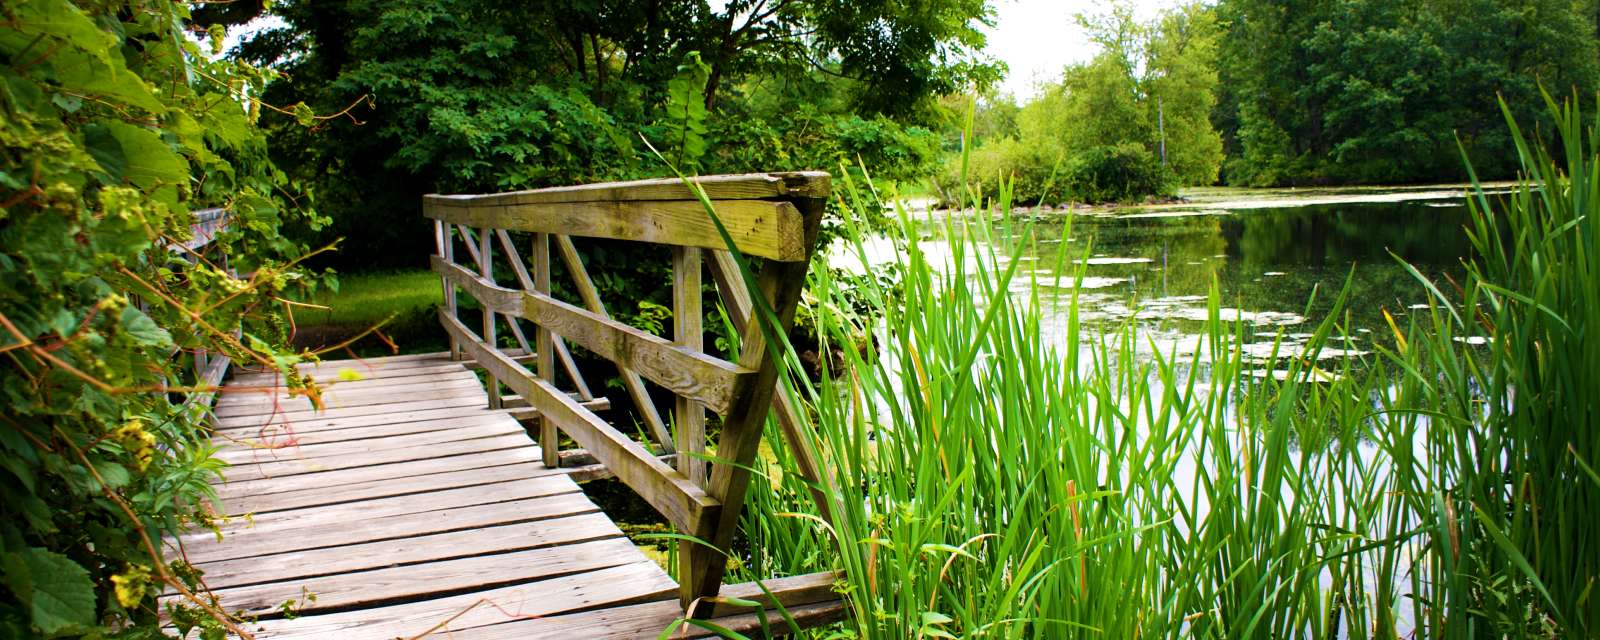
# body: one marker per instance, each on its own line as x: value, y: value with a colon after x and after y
x: 1295, y: 92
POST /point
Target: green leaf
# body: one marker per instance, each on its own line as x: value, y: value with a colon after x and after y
x: 79, y: 72
x: 114, y: 474
x: 106, y: 151
x: 58, y: 592
x: 143, y: 330
x: 686, y: 112
x: 151, y: 160
x: 930, y: 625
x: 59, y: 19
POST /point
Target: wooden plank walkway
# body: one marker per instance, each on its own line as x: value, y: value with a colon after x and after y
x: 409, y: 509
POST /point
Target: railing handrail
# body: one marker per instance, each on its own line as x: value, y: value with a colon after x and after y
x: 773, y: 216
x: 757, y: 210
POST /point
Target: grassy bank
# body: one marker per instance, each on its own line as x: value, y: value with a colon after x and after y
x: 399, y: 303
x: 986, y: 482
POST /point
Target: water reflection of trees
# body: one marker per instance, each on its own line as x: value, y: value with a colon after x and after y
x: 1274, y: 260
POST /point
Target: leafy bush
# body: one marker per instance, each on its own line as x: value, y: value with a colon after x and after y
x: 810, y: 140
x: 115, y: 125
x: 1120, y: 173
x: 1026, y: 165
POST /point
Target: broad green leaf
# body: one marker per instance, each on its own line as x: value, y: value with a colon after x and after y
x: 60, y: 19
x: 115, y: 475
x: 143, y: 330
x: 106, y: 151
x: 57, y: 592
x: 151, y: 160
x: 81, y: 73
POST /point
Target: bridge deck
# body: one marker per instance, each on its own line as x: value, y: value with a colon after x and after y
x: 406, y: 508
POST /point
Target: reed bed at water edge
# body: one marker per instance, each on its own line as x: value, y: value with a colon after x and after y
x: 990, y: 479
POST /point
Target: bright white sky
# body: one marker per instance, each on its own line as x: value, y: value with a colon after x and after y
x: 1038, y: 38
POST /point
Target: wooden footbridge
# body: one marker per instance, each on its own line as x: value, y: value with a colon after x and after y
x: 411, y: 501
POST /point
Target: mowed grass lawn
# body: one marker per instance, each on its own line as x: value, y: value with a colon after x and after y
x: 365, y: 299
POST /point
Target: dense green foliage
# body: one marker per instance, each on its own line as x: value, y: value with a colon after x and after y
x: 992, y: 480
x: 479, y: 96
x: 1116, y: 174
x: 1516, y: 472
x: 1263, y: 92
x: 1381, y: 90
x: 116, y: 126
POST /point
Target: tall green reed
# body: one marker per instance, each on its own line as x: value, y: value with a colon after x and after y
x: 993, y: 482
x: 989, y: 480
x: 1512, y: 484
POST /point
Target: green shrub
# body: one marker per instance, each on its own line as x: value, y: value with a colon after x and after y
x: 115, y: 126
x: 1028, y: 168
x: 1120, y: 173
x: 1038, y: 174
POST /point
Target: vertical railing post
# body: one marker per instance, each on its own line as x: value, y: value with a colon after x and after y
x: 689, y: 416
x: 780, y: 284
x: 444, y: 236
x: 486, y: 269
x: 549, y: 437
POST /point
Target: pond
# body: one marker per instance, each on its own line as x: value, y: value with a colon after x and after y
x: 1279, y: 260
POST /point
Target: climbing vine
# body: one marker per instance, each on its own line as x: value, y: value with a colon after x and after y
x: 118, y: 122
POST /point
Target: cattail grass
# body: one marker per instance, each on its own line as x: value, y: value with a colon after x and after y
x: 990, y: 480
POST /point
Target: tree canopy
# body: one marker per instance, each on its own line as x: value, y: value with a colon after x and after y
x: 1382, y: 90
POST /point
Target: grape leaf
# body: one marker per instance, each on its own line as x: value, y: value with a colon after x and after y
x: 58, y: 592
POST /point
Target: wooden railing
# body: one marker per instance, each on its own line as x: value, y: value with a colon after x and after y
x: 773, y: 217
x: 209, y: 368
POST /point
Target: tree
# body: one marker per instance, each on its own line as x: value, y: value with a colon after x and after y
x: 1150, y: 84
x: 1382, y: 91
x: 473, y: 95
x: 1182, y: 81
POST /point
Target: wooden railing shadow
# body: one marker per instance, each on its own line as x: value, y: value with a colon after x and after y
x: 771, y: 218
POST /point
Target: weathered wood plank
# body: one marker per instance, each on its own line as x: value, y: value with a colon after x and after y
x: 689, y: 416
x: 373, y: 509
x: 672, y: 495
x: 298, y: 565
x: 247, y: 438
x: 241, y: 454
x: 801, y: 596
x: 233, y: 490
x: 275, y: 426
x: 749, y: 186
x: 518, y: 536
x: 345, y: 391
x: 686, y: 372
x: 432, y: 579
x: 337, y: 494
x: 279, y: 469
x: 348, y: 397
x: 763, y: 228
x: 549, y: 438
x: 636, y: 582
x: 366, y: 374
x: 463, y: 399
x: 247, y: 544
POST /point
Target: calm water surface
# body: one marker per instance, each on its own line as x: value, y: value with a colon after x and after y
x: 1279, y: 263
